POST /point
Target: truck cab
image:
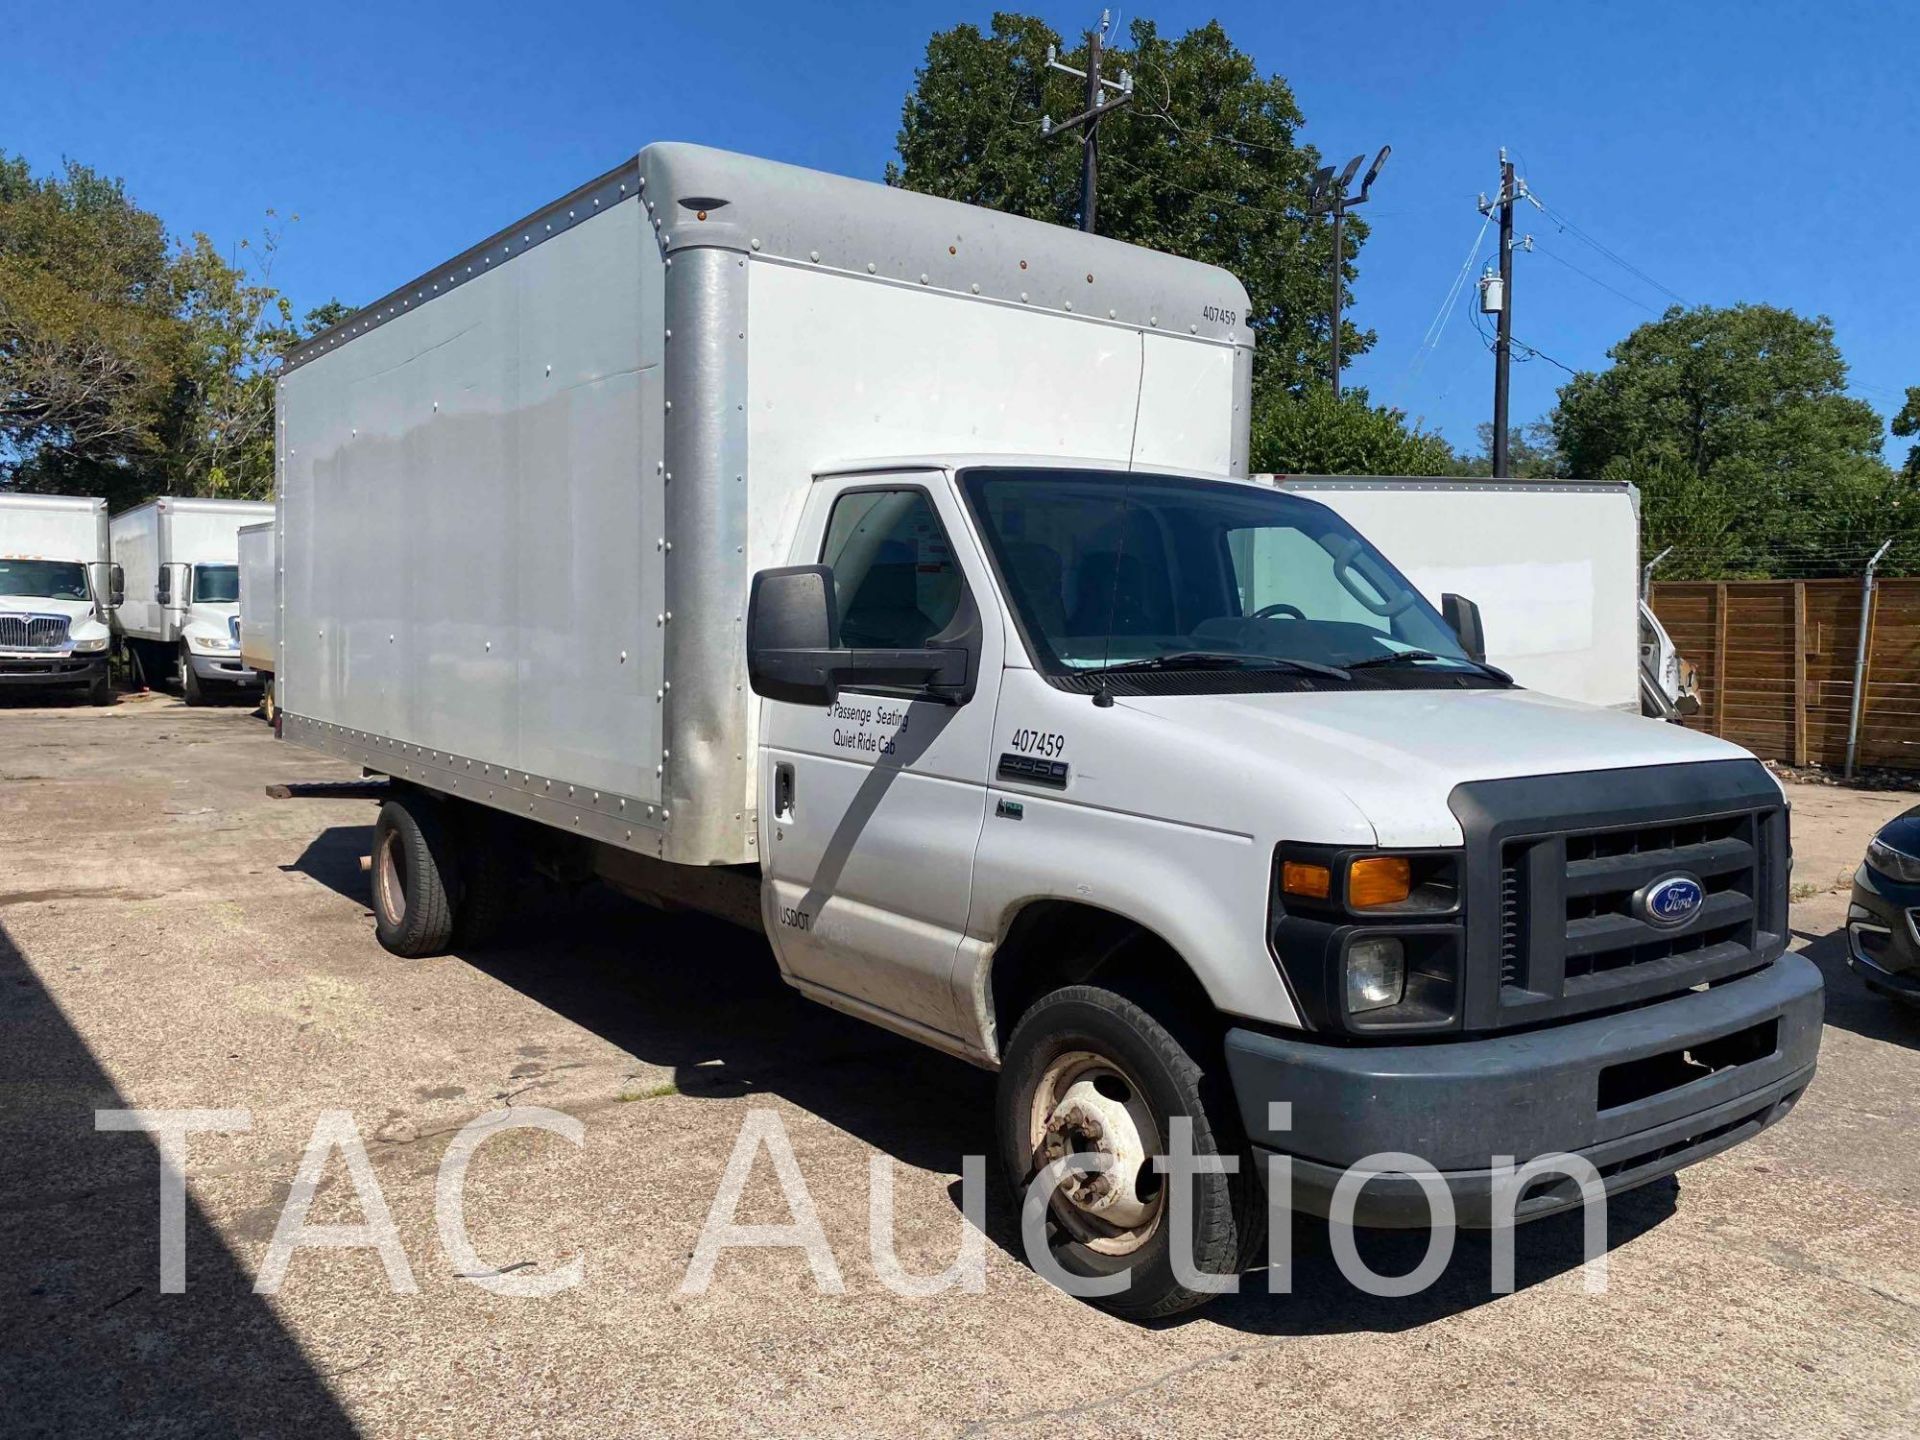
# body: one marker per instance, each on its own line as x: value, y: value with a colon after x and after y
x: 1065, y: 766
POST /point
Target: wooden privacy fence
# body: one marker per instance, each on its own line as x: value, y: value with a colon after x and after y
x: 1776, y: 658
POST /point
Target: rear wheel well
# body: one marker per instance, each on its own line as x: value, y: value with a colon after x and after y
x: 1054, y: 943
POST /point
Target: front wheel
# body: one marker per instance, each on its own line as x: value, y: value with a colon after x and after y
x: 1087, y: 1070
x: 191, y: 688
x: 100, y: 692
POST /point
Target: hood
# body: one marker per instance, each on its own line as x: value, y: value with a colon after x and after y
x: 83, y: 623
x: 1397, y: 754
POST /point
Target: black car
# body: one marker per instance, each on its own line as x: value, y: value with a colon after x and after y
x: 1883, y: 922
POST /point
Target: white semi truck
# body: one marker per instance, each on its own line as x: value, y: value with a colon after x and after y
x: 180, y: 619
x: 56, y: 594
x: 260, y: 606
x: 884, y: 574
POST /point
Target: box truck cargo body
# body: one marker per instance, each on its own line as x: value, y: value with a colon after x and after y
x: 1553, y: 565
x: 884, y: 574
x: 56, y: 594
x: 180, y: 619
x: 259, y: 601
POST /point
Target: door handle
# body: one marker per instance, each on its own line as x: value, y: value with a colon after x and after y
x: 783, y: 792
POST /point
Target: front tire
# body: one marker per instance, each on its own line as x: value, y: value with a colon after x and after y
x: 415, y: 876
x: 1088, y: 1069
x: 100, y: 692
x: 191, y: 689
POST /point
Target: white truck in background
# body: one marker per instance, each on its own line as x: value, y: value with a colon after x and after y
x: 260, y: 607
x: 180, y: 617
x: 883, y: 574
x: 56, y: 594
x: 1554, y: 566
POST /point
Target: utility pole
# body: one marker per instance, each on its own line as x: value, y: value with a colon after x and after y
x: 1097, y: 106
x: 1328, y: 196
x: 1496, y: 295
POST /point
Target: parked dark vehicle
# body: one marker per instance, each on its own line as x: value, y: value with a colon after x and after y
x: 1883, y: 922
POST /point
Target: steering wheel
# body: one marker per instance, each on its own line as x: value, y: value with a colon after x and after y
x: 1278, y: 608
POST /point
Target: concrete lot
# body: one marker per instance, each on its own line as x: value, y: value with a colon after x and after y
x: 170, y: 938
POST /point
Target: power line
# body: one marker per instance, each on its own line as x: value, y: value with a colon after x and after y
x: 1437, y: 326
x: 1566, y: 224
x: 1631, y: 300
x: 1535, y: 353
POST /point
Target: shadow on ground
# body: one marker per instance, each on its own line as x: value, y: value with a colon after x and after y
x: 1850, y: 1005
x: 706, y: 999
x: 88, y: 1345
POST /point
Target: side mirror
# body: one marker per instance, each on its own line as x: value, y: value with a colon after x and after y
x: 1463, y: 617
x: 116, y: 586
x: 794, y: 652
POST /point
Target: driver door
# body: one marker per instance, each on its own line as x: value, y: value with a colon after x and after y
x: 873, y: 806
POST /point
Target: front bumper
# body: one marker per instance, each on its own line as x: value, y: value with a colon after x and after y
x: 226, y: 669
x: 1637, y: 1094
x: 1883, y: 935
x: 53, y: 669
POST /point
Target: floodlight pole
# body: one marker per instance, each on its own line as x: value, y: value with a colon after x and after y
x: 1098, y: 104
x: 1329, y: 196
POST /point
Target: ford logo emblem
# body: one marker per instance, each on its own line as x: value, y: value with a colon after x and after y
x: 1670, y: 901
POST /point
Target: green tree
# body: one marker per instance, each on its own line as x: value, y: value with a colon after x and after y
x: 88, y: 342
x: 1315, y: 434
x: 1907, y: 423
x: 131, y: 366
x: 1531, y: 452
x: 1203, y: 163
x: 1740, y: 418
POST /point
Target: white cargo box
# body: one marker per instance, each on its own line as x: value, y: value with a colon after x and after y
x: 521, y: 497
x: 259, y: 598
x: 1553, y: 566
x: 59, y: 527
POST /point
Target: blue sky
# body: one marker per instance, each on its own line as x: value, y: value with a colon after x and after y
x: 1729, y: 151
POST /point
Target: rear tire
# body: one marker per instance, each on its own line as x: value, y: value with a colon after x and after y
x: 1084, y: 1035
x: 415, y: 876
x: 489, y: 876
x: 191, y: 689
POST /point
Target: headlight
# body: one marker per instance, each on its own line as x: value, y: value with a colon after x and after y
x: 212, y: 642
x: 90, y: 647
x: 1894, y: 864
x: 1376, y: 974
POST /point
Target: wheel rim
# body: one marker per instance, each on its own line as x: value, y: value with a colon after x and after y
x: 389, y: 879
x: 1087, y: 1103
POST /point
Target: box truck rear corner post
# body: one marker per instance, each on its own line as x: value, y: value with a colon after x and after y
x: 884, y: 574
x: 56, y: 595
x: 180, y: 617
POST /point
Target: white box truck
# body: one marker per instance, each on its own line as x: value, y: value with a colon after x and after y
x: 260, y: 606
x: 180, y: 618
x: 884, y: 573
x: 1554, y: 566
x: 56, y: 594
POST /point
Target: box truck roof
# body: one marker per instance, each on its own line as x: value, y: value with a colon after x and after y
x: 698, y: 197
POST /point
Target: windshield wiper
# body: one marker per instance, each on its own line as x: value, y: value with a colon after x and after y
x: 1414, y: 657
x: 1224, y: 660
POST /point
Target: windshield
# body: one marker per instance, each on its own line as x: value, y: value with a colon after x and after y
x: 44, y: 579
x: 216, y: 584
x: 1155, y: 571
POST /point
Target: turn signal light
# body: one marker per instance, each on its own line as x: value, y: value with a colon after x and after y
x: 1376, y: 880
x: 1313, y: 881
